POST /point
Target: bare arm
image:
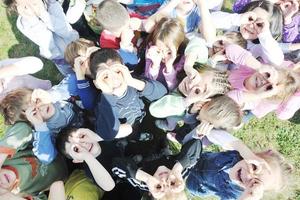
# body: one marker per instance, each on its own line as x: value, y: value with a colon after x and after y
x: 57, y: 191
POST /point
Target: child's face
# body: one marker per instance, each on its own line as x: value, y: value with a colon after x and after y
x: 7, y: 179
x: 46, y: 111
x: 110, y: 79
x: 74, y: 145
x: 246, y: 176
x: 165, y: 50
x: 257, y: 81
x: 250, y: 31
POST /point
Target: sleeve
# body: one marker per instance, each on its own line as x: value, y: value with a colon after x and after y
x: 291, y: 31
x: 170, y: 78
x: 153, y: 90
x: 190, y: 153
x: 288, y: 109
x: 75, y: 11
x: 197, y: 45
x: 224, y: 20
x: 221, y: 138
x: 17, y: 137
x: 86, y: 94
x: 56, y: 21
x: 270, y: 48
x: 107, y: 120
x: 60, y: 92
x: 237, y: 54
x: 239, y: 5
x: 43, y: 146
x: 150, y: 72
x: 37, y: 32
x: 170, y: 105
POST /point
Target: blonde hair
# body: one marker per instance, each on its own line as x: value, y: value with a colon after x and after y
x: 289, y: 83
x: 77, y: 48
x: 169, y: 31
x: 236, y: 38
x: 111, y: 15
x: 11, y: 107
x: 287, y: 181
x: 223, y: 112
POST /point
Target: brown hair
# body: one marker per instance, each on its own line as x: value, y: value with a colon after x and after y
x: 223, y: 112
x: 169, y: 31
x: 236, y: 38
x: 112, y: 15
x: 12, y: 106
x: 77, y: 48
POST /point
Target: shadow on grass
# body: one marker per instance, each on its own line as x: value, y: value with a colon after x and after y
x: 296, y: 118
x: 27, y: 48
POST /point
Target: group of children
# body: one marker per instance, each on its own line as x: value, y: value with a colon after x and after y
x: 139, y: 76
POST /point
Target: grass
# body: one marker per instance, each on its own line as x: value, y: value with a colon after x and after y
x: 257, y: 134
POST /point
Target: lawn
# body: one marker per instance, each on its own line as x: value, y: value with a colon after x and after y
x: 258, y: 134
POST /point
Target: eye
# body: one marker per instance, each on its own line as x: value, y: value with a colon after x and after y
x: 250, y: 19
x: 270, y: 87
x: 254, y: 167
x: 75, y: 149
x: 221, y: 42
x: 260, y: 25
x: 158, y: 187
x: 105, y: 77
x: 267, y: 74
x: 173, y: 183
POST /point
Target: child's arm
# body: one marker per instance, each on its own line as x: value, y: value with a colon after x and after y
x: 57, y: 191
x: 206, y: 26
x: 291, y: 21
x: 153, y: 60
x: 100, y: 174
x: 43, y: 147
x: 169, y: 7
x: 21, y: 66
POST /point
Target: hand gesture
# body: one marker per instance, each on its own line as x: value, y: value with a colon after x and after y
x: 79, y: 67
x: 289, y: 8
x: 33, y: 115
x: 262, y: 26
x: 203, y: 129
x: 248, y: 17
x: 85, y: 135
x: 169, y: 60
x: 254, y: 190
x: 217, y: 57
x: 156, y: 188
x: 194, y: 77
x: 78, y: 153
x: 154, y: 54
x: 196, y: 95
x: 270, y: 73
x: 40, y: 96
x: 125, y: 73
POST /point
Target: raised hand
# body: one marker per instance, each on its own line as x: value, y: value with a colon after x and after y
x: 196, y: 95
x: 33, y: 115
x: 248, y: 17
x: 40, y: 96
x: 85, y: 135
x: 154, y: 54
x: 203, y: 129
x: 289, y: 8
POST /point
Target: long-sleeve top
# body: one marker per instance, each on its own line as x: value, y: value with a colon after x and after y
x: 290, y: 31
x: 268, y: 49
x: 169, y: 79
x: 51, y: 31
x: 19, y: 78
x: 111, y: 110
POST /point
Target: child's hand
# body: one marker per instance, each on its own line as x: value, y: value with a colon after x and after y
x: 78, y: 153
x: 196, y: 107
x: 196, y: 95
x: 85, y: 135
x: 79, y: 67
x: 154, y: 54
x: 217, y: 57
x: 126, y: 74
x: 194, y: 77
x: 262, y: 26
x: 270, y: 73
x: 169, y: 60
x: 40, y: 96
x: 289, y: 9
x: 254, y: 190
x: 156, y: 188
x: 248, y: 18
x: 203, y: 129
x: 33, y: 115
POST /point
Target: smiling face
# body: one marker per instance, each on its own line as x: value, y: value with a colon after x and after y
x: 110, y: 79
x: 244, y: 174
x: 249, y: 31
x: 7, y: 179
x: 92, y: 146
x: 257, y: 81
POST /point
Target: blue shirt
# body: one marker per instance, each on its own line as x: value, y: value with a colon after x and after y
x: 210, y: 176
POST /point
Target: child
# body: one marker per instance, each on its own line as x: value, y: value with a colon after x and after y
x: 27, y: 178
x: 228, y: 176
x: 46, y: 25
x: 164, y: 55
x: 290, y: 17
x: 81, y: 145
x: 14, y: 75
x: 121, y: 95
x: 187, y: 11
x: 261, y: 25
x: 47, y: 118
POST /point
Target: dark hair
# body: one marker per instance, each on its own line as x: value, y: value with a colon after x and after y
x: 11, y: 5
x: 102, y: 56
x: 61, y: 140
x: 275, y: 13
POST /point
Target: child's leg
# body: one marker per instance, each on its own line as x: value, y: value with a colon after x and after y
x: 31, y: 82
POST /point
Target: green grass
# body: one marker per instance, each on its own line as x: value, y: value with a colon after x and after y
x: 258, y: 134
